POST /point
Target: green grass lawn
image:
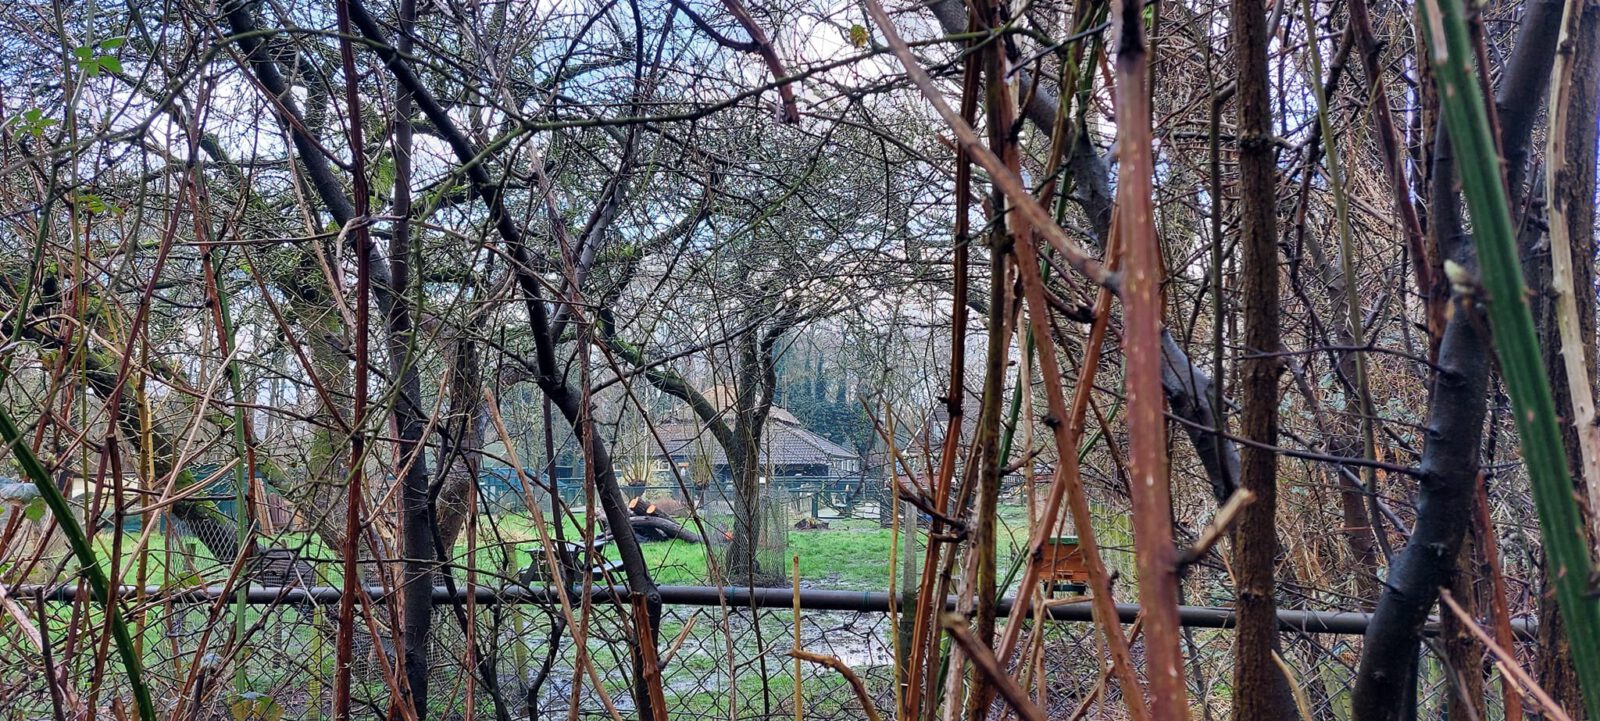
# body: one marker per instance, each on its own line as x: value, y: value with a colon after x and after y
x: 853, y: 554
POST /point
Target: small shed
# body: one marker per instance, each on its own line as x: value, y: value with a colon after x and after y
x: 787, y: 447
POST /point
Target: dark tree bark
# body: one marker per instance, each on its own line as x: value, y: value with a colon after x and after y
x: 756, y: 378
x: 1463, y: 654
x: 418, y: 522
x: 1520, y: 98
x: 1444, y: 506
x: 1262, y: 691
x: 1450, y: 458
x: 572, y: 403
x: 1555, y: 670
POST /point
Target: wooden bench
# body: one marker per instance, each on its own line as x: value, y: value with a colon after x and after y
x: 572, y: 556
x: 278, y: 567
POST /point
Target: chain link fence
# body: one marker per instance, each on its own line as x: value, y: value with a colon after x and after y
x: 204, y: 659
x: 525, y: 661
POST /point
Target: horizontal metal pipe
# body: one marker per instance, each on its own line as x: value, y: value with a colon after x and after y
x: 1319, y: 622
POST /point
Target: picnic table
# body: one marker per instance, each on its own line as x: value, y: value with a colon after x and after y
x: 574, y: 557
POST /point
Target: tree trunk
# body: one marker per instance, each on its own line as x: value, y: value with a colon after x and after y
x: 1555, y: 670
x: 320, y: 498
x: 1463, y: 655
x: 464, y: 432
x: 416, y: 506
x: 1444, y: 506
x: 743, y: 566
x: 1450, y: 457
x: 1386, y: 676
x: 755, y: 376
x: 1263, y: 692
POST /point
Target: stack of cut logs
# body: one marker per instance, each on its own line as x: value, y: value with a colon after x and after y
x: 651, y: 521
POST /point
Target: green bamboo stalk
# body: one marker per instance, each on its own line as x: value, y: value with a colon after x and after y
x: 1514, y: 339
x: 1014, y: 414
x: 245, y: 468
x: 92, y: 572
x: 1352, y: 298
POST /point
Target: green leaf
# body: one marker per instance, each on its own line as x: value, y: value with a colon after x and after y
x: 92, y: 203
x: 111, y: 64
x: 34, y: 510
x: 112, y: 43
x: 383, y: 175
x: 83, y: 52
x: 858, y: 35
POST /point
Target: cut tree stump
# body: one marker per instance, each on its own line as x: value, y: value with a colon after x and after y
x: 650, y: 529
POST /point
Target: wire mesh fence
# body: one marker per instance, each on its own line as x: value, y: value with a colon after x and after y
x: 528, y: 656
x: 525, y: 661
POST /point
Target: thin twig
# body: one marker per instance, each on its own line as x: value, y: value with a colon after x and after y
x: 984, y: 661
x: 867, y: 706
x: 1503, y: 659
x: 791, y: 113
x: 1300, y: 701
x: 1218, y: 527
x: 1007, y: 181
